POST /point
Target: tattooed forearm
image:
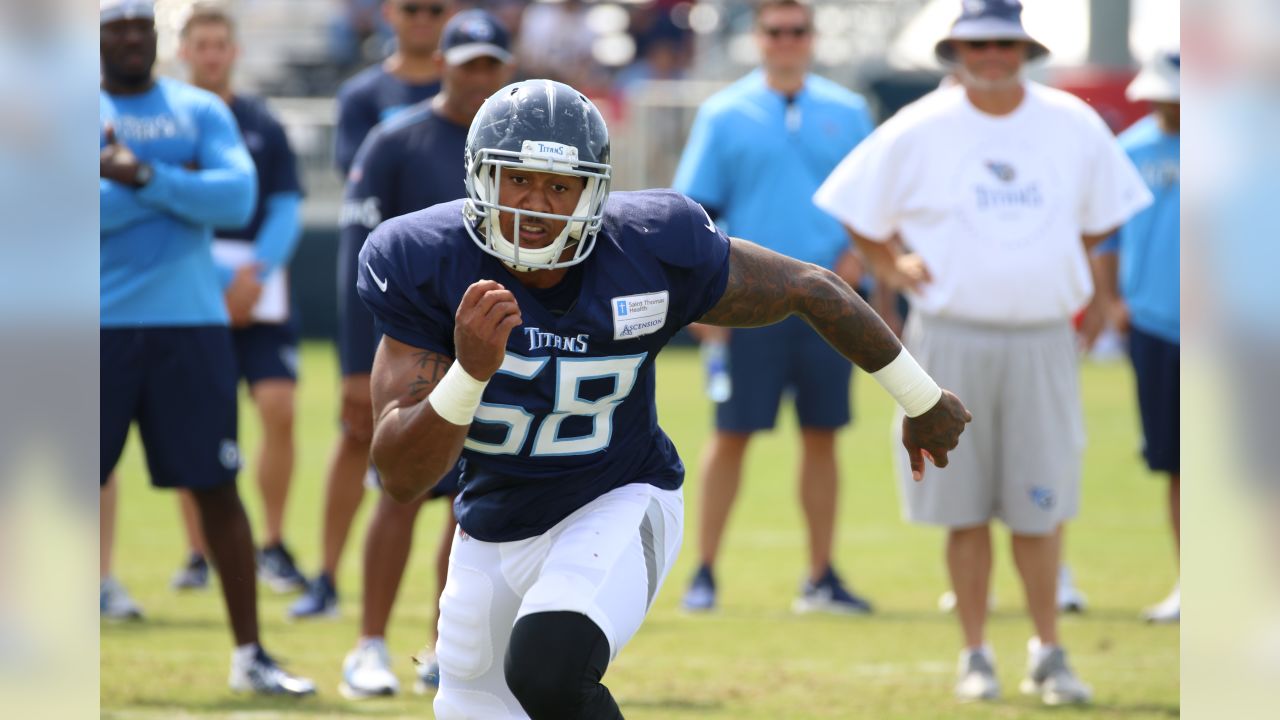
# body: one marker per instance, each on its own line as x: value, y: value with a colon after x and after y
x: 765, y: 287
x: 433, y: 366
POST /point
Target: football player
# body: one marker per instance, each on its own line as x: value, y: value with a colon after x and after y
x: 521, y: 325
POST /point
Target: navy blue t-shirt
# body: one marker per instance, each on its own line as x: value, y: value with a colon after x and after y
x: 408, y: 163
x: 370, y: 97
x: 269, y: 145
x: 571, y: 414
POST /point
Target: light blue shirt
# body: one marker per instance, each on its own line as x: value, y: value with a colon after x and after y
x: 156, y: 266
x: 756, y: 160
x: 1149, y: 243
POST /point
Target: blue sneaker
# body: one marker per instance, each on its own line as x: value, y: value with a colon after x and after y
x: 829, y: 595
x: 427, y: 669
x: 320, y: 600
x: 701, y: 596
x: 277, y: 569
x: 192, y: 576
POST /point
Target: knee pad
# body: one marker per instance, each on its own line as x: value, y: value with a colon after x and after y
x: 554, y: 664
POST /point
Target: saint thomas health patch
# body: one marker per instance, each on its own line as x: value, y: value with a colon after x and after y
x: 636, y: 315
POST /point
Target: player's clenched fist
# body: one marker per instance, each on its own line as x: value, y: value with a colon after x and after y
x: 935, y: 433
x: 486, y: 316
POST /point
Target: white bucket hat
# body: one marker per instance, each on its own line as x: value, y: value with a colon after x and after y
x: 1159, y: 80
x: 988, y: 20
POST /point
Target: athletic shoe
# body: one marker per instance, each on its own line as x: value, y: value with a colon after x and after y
x: 976, y: 676
x: 261, y: 674
x: 277, y: 570
x: 192, y: 576
x: 701, y: 595
x: 1050, y: 677
x: 427, y: 668
x: 320, y: 600
x: 114, y: 602
x: 1168, y: 611
x: 1070, y: 600
x: 947, y: 602
x: 830, y: 596
x: 366, y: 672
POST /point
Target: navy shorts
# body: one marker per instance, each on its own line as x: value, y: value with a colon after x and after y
x: 266, y: 351
x: 357, y: 337
x: 1157, y: 368
x: 179, y: 384
x: 786, y: 357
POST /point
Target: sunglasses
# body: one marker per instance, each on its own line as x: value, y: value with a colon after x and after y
x: 794, y: 31
x: 984, y: 44
x: 412, y: 9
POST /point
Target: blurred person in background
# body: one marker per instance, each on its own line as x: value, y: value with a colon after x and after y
x: 757, y: 152
x: 409, y: 163
x: 1140, y: 275
x: 557, y: 43
x: 253, y: 261
x: 998, y: 187
x: 173, y: 167
x: 410, y: 75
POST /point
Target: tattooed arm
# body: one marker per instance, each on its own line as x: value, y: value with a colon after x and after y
x: 765, y: 287
x: 413, y: 446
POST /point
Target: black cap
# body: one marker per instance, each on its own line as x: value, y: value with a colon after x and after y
x: 474, y: 33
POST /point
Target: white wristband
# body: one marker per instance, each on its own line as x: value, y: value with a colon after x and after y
x: 909, y: 384
x: 457, y: 395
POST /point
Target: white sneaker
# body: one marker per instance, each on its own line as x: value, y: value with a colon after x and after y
x: 1050, y: 677
x: 947, y: 602
x: 976, y: 676
x: 1070, y: 599
x: 114, y: 602
x: 1168, y: 611
x: 260, y: 673
x: 366, y: 672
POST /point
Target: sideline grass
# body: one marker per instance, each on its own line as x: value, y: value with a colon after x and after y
x: 752, y: 659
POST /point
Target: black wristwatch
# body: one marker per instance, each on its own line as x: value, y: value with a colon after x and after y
x: 143, y: 175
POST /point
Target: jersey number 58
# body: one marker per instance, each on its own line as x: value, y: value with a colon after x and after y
x: 570, y: 374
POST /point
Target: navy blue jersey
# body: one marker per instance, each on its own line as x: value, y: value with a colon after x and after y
x: 277, y: 167
x: 370, y: 97
x: 571, y: 414
x: 411, y: 162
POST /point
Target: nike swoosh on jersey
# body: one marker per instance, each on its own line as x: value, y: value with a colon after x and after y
x: 711, y: 225
x: 382, y: 284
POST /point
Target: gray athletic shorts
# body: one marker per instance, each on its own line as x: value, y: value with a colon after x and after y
x: 1019, y: 460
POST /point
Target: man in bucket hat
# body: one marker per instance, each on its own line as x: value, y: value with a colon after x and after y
x: 997, y: 186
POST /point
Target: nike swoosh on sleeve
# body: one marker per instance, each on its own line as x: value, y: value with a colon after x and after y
x: 382, y: 284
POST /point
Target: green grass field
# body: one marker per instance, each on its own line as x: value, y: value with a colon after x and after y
x: 752, y: 659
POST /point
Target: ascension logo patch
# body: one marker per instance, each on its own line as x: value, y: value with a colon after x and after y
x: 636, y: 315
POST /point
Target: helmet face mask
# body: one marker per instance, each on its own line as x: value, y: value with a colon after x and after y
x: 536, y: 126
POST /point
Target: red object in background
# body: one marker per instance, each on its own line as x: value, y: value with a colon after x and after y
x: 1103, y: 89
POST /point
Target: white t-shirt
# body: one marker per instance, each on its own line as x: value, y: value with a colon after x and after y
x: 994, y: 205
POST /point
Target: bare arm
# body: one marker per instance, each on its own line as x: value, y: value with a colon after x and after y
x: 413, y: 446
x: 1094, y: 317
x: 1106, y: 281
x: 402, y: 378
x: 765, y: 287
